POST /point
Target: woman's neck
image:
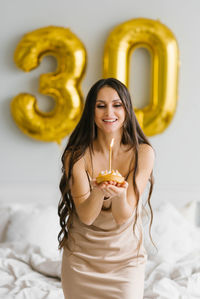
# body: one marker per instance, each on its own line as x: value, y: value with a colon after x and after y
x: 103, y: 141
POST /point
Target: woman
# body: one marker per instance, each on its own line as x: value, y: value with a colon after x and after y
x: 101, y: 235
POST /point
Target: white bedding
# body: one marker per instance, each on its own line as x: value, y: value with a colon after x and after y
x: 26, y: 273
x: 30, y: 262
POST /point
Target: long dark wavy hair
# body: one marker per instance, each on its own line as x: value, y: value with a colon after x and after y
x: 83, y: 137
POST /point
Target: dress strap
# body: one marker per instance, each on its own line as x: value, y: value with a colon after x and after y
x: 126, y: 178
x: 91, y: 162
x: 129, y: 171
x: 89, y: 180
x: 88, y: 176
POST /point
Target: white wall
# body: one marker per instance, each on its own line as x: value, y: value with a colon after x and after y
x: 31, y: 169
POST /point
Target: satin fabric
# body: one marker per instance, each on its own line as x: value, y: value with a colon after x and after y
x: 104, y: 260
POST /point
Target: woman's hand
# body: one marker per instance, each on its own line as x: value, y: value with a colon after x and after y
x: 111, y: 189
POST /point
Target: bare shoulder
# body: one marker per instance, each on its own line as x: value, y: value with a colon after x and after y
x: 146, y: 155
x: 78, y: 165
x: 146, y: 150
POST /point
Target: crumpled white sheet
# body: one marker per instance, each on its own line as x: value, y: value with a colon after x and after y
x: 174, y: 271
x: 166, y: 280
x: 29, y: 271
x: 26, y: 273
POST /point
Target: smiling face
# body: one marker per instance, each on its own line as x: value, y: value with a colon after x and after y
x: 109, y: 110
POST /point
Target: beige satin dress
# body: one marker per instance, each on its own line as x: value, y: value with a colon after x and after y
x: 102, y: 260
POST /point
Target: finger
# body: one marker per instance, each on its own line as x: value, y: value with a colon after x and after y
x: 103, y: 186
x: 124, y: 184
x: 120, y: 185
x: 112, y: 188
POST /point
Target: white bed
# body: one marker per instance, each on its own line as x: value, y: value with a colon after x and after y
x: 30, y: 262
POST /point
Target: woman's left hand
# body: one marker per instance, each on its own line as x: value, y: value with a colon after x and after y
x: 114, y: 189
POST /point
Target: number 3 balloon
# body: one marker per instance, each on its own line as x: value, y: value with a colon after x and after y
x: 62, y: 85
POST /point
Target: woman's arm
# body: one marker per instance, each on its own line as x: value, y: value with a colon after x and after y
x: 123, y: 205
x: 88, y: 204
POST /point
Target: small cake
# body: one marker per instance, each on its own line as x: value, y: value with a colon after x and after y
x: 105, y: 176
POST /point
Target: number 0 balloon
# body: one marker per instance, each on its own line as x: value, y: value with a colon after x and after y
x: 161, y: 43
x: 62, y: 85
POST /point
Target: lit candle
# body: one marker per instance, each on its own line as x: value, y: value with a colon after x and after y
x: 110, y: 154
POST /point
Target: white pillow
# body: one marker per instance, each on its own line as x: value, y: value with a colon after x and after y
x: 5, y: 213
x: 172, y: 234
x: 191, y: 212
x: 35, y: 225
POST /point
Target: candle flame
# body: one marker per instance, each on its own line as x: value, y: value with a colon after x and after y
x: 112, y: 142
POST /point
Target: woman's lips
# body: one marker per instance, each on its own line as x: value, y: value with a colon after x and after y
x: 110, y: 120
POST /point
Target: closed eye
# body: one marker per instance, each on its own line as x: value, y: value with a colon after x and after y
x: 103, y: 106
x: 100, y: 106
x: 117, y: 105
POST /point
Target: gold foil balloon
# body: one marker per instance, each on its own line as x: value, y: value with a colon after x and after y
x: 162, y: 44
x: 63, y: 84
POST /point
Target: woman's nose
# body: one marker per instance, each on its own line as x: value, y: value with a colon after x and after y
x: 109, y: 110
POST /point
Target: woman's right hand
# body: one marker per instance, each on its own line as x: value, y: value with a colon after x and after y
x: 103, y: 187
